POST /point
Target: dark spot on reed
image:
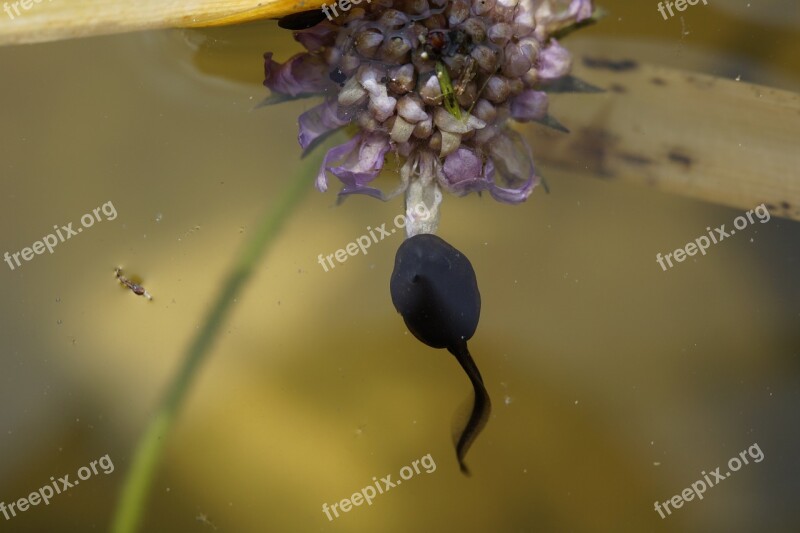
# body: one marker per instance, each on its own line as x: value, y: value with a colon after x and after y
x: 681, y: 159
x: 593, y: 145
x: 609, y: 64
x: 634, y: 159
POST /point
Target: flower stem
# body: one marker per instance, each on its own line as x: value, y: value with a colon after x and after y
x: 150, y: 448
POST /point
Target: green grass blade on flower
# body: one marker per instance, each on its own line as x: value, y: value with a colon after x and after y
x: 446, y: 84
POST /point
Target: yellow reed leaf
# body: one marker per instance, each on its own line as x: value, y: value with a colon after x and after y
x: 51, y: 20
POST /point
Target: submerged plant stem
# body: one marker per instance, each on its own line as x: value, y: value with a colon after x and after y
x: 149, y: 450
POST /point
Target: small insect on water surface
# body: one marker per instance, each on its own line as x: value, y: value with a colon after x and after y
x: 135, y: 287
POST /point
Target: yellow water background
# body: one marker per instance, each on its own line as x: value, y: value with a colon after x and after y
x: 614, y: 383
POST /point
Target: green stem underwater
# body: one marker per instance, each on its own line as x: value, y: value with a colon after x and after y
x: 150, y: 448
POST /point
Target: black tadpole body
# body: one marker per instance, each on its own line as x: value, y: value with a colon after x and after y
x: 433, y: 286
x: 302, y: 20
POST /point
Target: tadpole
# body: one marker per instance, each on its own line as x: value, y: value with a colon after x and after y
x: 302, y: 20
x: 433, y: 286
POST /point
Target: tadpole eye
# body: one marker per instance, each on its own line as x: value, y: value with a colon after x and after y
x: 415, y: 279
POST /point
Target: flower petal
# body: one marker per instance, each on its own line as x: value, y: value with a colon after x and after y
x: 529, y: 105
x: 554, y: 15
x: 431, y: 91
x: 352, y: 94
x: 301, y: 74
x: 554, y: 62
x: 369, y: 191
x: 401, y: 130
x: 336, y: 153
x: 363, y: 166
x: 411, y: 109
x: 316, y: 37
x: 450, y: 142
x: 517, y: 61
x: 512, y: 157
x: 382, y: 105
x: 524, y: 20
x: 463, y: 172
x: 447, y: 122
x: 318, y: 121
x: 510, y: 195
x: 580, y: 9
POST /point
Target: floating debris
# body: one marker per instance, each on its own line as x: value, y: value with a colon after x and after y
x: 203, y: 518
x: 135, y: 287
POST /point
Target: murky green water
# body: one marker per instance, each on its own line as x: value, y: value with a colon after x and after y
x: 614, y: 384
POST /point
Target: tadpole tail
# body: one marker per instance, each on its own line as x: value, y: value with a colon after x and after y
x: 480, y: 409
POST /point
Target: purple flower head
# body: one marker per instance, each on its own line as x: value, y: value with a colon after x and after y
x: 436, y: 82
